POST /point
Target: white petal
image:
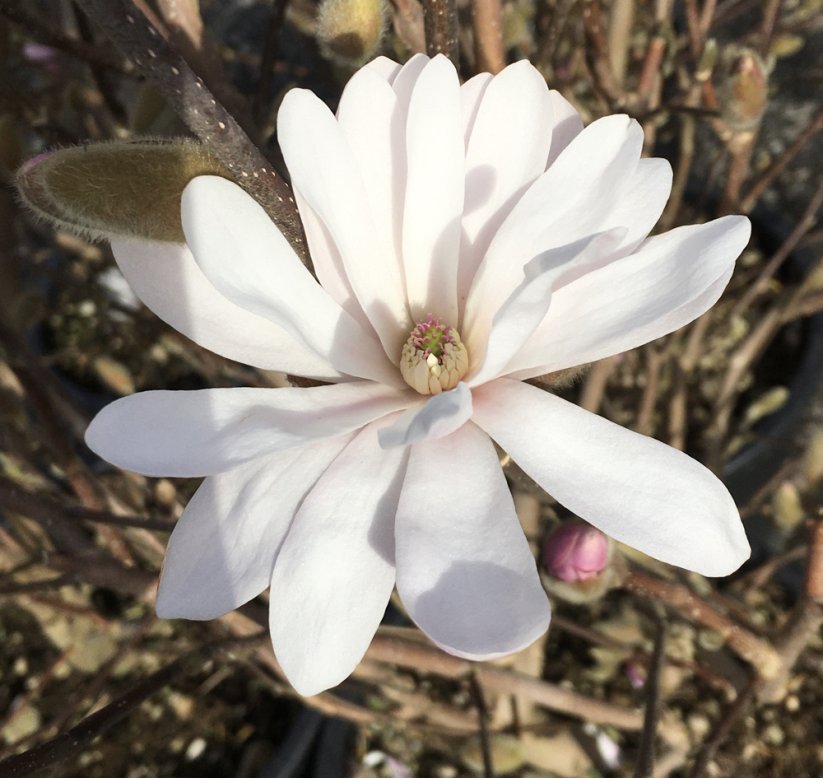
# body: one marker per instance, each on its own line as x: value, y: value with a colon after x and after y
x: 434, y: 192
x: 526, y: 307
x: 324, y: 170
x: 368, y: 118
x: 213, y: 430
x: 571, y: 200
x: 406, y: 77
x: 247, y: 258
x: 327, y: 262
x: 334, y: 574
x: 471, y: 93
x: 464, y: 569
x: 222, y: 550
x: 437, y: 417
x: 636, y: 489
x: 671, y: 280
x: 167, y: 279
x: 386, y: 68
x: 506, y: 152
x: 567, y: 125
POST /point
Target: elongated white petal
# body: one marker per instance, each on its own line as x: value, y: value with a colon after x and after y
x: 526, y: 307
x: 434, y: 192
x: 247, y: 258
x: 384, y: 67
x: 368, y: 118
x: 222, y: 550
x: 464, y: 569
x: 471, y: 94
x: 437, y: 417
x: 571, y: 200
x: 327, y: 262
x: 210, y: 431
x: 335, y: 572
x: 567, y: 125
x: 671, y: 280
x: 324, y: 170
x: 636, y: 489
x: 505, y: 153
x: 405, y: 79
x: 167, y: 279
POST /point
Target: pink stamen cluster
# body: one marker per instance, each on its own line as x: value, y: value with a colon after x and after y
x: 430, y: 336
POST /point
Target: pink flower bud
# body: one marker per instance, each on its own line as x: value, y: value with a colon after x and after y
x: 575, y: 552
x: 636, y: 674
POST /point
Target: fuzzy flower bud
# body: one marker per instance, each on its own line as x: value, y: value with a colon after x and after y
x: 575, y: 552
x: 350, y: 31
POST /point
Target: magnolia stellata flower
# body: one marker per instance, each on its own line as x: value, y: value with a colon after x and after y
x: 465, y: 239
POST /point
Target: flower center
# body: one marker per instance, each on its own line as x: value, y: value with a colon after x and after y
x: 434, y: 358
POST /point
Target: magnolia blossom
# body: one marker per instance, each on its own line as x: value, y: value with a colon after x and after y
x: 465, y: 239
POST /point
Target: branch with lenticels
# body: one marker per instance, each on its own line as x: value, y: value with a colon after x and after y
x: 187, y: 94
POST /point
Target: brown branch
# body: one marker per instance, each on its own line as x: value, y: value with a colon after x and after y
x: 755, y: 650
x: 389, y: 646
x: 45, y: 510
x: 186, y: 93
x: 781, y: 163
x: 441, y: 26
x: 723, y: 729
x: 771, y: 12
x: 482, y: 721
x: 804, y: 224
x: 645, y: 761
x: 64, y: 746
x: 597, y: 54
x: 487, y: 24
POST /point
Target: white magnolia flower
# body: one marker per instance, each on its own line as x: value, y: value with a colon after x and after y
x: 466, y: 238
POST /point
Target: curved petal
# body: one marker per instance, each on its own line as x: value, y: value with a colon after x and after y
x: 434, y: 192
x: 567, y: 125
x: 386, y: 68
x: 324, y: 170
x: 167, y: 279
x: 526, y: 307
x: 464, y: 569
x: 471, y: 94
x: 636, y: 489
x: 437, y: 417
x: 335, y: 572
x: 506, y: 151
x: 222, y: 550
x: 571, y: 200
x: 247, y: 258
x: 367, y: 115
x: 668, y: 282
x: 210, y: 431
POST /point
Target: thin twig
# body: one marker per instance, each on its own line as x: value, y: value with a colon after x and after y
x: 781, y: 163
x: 645, y: 760
x: 63, y: 747
x: 771, y: 12
x: 483, y: 727
x: 805, y: 223
x: 724, y: 727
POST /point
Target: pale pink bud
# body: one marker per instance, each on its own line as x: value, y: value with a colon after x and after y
x: 575, y: 552
x: 636, y: 674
